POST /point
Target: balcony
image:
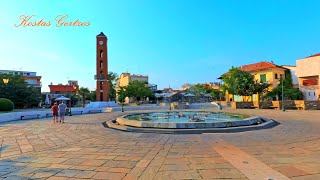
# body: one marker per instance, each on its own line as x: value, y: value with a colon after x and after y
x: 101, y: 77
x: 35, y: 85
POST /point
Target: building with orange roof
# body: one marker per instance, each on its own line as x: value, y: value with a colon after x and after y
x: 213, y: 85
x: 63, y: 89
x: 263, y: 71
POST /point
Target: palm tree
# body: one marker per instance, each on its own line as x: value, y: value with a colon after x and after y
x: 83, y: 92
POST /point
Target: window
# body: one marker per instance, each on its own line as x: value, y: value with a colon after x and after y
x: 309, y: 93
x: 28, y: 74
x: 263, y: 78
x: 101, y: 96
x: 101, y: 53
x: 276, y: 76
x: 281, y: 76
x: 314, y: 93
x: 101, y: 64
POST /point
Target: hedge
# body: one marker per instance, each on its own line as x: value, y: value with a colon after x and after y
x: 6, y: 104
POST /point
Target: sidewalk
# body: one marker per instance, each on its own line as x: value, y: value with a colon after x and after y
x: 83, y: 148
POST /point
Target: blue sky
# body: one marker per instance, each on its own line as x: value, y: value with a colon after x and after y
x: 172, y: 41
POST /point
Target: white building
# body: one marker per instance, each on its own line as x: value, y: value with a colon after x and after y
x: 308, y: 72
x: 30, y: 77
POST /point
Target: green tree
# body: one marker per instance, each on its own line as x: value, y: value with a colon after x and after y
x: 73, y: 97
x: 289, y: 91
x: 197, y: 90
x: 83, y: 92
x: 238, y: 82
x: 217, y: 94
x: 18, y: 92
x: 259, y: 88
x: 92, y: 96
x: 122, y: 94
x: 138, y: 89
x: 112, y: 84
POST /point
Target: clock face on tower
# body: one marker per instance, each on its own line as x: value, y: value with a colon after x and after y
x: 100, y: 42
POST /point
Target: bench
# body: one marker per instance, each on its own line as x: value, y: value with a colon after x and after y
x: 76, y: 112
x: 294, y: 107
x: 33, y: 116
x: 254, y: 107
x: 108, y: 109
x: 274, y: 107
x: 94, y: 111
x: 49, y: 114
x: 299, y: 107
x: 249, y: 107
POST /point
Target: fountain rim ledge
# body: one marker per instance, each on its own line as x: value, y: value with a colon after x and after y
x: 247, y: 124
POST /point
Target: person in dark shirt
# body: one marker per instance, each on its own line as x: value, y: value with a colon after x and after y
x: 54, y: 110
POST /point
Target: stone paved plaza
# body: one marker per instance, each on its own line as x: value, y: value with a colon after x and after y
x: 83, y: 149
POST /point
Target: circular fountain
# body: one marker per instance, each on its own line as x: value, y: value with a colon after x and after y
x: 189, y: 121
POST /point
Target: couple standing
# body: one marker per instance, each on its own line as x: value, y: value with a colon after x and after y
x: 56, y: 110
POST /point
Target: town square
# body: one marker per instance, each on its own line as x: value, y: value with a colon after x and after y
x: 159, y: 90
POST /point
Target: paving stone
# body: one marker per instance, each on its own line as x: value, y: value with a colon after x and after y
x: 68, y: 173
x: 174, y: 167
x: 74, y: 161
x: 109, y: 175
x: 93, y: 162
x: 149, y: 173
x: 291, y: 171
x: 59, y: 166
x: 120, y: 170
x: 143, y: 163
x: 177, y: 175
x: 57, y: 178
x: 176, y: 161
x: 82, y: 142
x: 88, y: 168
x: 104, y: 157
x: 85, y: 174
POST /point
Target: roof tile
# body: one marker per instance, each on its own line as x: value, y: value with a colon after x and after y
x: 259, y: 66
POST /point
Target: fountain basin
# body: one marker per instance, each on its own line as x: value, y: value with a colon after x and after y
x: 197, y: 120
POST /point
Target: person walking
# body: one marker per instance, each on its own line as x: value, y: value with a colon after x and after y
x: 62, y: 111
x: 54, y: 110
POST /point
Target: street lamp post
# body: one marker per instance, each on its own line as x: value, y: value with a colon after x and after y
x: 282, y: 94
x: 282, y: 97
x: 122, y: 101
x: 75, y: 88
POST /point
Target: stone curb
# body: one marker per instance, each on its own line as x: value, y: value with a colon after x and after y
x: 269, y: 124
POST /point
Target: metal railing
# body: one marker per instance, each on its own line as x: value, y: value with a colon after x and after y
x: 101, y: 77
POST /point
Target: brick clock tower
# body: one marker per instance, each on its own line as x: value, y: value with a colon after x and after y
x: 102, y: 91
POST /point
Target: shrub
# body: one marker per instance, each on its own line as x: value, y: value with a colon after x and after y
x: 6, y: 104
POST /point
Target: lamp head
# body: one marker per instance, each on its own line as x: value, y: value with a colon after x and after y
x: 5, y: 80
